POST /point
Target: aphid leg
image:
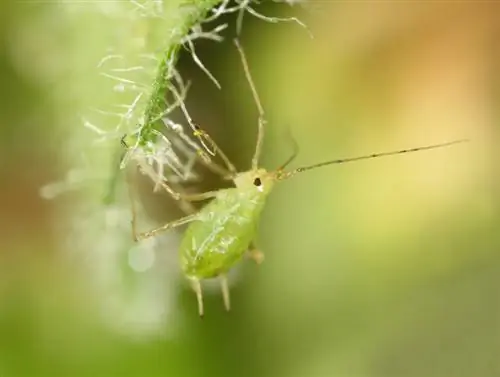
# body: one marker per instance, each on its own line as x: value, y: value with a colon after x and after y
x: 186, y: 206
x: 256, y: 255
x: 199, y: 197
x: 167, y: 226
x: 144, y: 168
x: 225, y: 292
x: 176, y: 195
x: 196, y: 285
x: 189, y: 197
x: 140, y: 236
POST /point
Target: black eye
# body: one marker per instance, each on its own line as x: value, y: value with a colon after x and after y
x: 257, y: 182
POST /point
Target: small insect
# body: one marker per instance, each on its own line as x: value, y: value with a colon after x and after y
x: 222, y: 232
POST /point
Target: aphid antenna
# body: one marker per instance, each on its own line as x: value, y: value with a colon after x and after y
x: 262, y: 121
x: 295, y: 151
x: 281, y: 175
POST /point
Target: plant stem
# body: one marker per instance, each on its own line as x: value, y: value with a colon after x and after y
x: 190, y: 13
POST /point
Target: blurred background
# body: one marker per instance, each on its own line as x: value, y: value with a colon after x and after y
x: 387, y: 267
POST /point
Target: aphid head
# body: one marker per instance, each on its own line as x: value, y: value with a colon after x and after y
x: 259, y: 180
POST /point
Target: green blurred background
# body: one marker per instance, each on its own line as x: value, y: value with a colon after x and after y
x: 381, y: 268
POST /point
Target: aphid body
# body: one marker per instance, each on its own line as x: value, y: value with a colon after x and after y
x: 221, y: 232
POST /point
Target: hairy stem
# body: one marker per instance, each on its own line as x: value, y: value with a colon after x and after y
x: 188, y: 14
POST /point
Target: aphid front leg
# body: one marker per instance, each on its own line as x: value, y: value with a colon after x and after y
x: 189, y: 197
x: 225, y: 291
x: 167, y: 226
x: 196, y: 285
x: 140, y: 236
x: 199, y: 197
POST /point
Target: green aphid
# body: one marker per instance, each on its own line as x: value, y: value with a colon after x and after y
x: 222, y: 232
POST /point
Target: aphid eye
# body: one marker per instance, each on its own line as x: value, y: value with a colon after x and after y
x: 257, y: 182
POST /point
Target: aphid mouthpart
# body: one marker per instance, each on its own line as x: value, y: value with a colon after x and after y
x: 223, y: 231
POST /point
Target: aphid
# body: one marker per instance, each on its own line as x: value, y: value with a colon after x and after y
x: 221, y: 232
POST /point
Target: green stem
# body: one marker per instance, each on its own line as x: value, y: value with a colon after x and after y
x: 188, y: 13
x: 192, y: 12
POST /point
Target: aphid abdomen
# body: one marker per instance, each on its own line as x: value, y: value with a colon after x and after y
x: 223, y: 233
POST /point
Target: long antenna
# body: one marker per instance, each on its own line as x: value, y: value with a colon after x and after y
x: 262, y: 121
x: 286, y: 175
